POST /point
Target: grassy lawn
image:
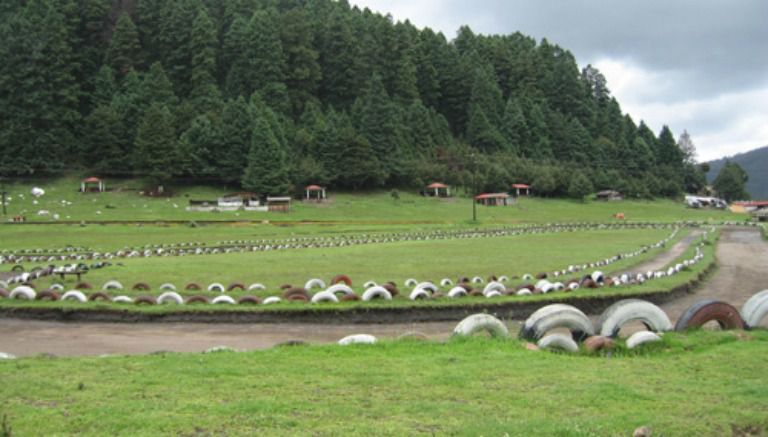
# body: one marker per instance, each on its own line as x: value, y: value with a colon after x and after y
x: 424, y: 260
x: 702, y: 383
x: 62, y: 198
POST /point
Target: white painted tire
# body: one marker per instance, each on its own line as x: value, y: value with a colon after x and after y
x: 411, y: 282
x: 446, y: 282
x: 56, y: 287
x: 112, y: 285
x: 641, y: 338
x: 481, y: 322
x: 256, y: 286
x: 419, y: 293
x: 357, y: 339
x: 430, y: 287
x: 557, y: 316
x: 558, y: 342
x: 376, y: 292
x: 4, y: 284
x: 627, y: 310
x: 527, y: 277
x: 223, y: 299
x: 341, y: 288
x: 23, y: 292
x: 503, y: 278
x: 370, y: 284
x: 598, y: 276
x: 122, y: 299
x: 492, y: 294
x: 324, y: 296
x: 216, y: 286
x: 314, y: 283
x: 524, y: 292
x: 477, y: 280
x: 494, y: 286
x: 755, y: 309
x: 457, y: 292
x: 270, y: 300
x: 74, y: 295
x: 167, y: 287
x: 7, y: 356
x: 170, y: 297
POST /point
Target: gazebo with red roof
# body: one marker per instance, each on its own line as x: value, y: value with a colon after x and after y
x: 522, y: 190
x: 438, y: 189
x: 315, y: 192
x: 92, y: 185
x: 493, y: 199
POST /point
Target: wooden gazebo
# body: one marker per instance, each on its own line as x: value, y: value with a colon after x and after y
x: 92, y: 185
x: 315, y: 192
x: 521, y: 190
x: 493, y: 199
x: 438, y: 189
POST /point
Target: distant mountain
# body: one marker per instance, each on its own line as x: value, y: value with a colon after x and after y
x: 755, y: 163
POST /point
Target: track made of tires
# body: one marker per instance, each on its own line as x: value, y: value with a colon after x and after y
x: 741, y: 254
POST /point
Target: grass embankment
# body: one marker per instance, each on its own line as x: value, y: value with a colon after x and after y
x: 62, y: 198
x: 702, y: 383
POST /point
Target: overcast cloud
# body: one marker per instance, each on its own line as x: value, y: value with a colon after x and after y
x: 699, y: 65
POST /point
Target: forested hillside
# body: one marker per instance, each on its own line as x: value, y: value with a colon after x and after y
x: 273, y: 94
x: 755, y: 163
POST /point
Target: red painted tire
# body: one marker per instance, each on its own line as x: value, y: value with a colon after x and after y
x: 709, y: 310
x: 298, y: 298
x: 235, y: 285
x: 48, y: 295
x: 197, y: 299
x: 141, y: 286
x: 341, y: 278
x: 145, y: 300
x: 393, y: 291
x: 286, y: 286
x: 542, y: 275
x: 350, y: 298
x: 249, y: 300
x: 295, y: 291
x: 192, y: 286
x: 99, y: 295
x: 83, y: 286
x: 3, y: 293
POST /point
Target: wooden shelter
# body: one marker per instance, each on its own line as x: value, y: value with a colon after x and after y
x: 92, y: 185
x: 609, y: 195
x: 438, y: 189
x: 315, y: 192
x: 493, y: 199
x: 521, y: 190
x: 279, y: 204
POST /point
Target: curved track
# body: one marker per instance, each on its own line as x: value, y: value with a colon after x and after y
x: 743, y: 269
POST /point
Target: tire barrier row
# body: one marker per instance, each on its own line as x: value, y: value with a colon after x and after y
x: 241, y: 246
x: 539, y: 326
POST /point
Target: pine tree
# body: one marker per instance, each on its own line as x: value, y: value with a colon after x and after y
x: 302, y: 73
x: 266, y: 172
x: 360, y: 167
x: 730, y: 183
x: 124, y: 51
x: 102, y: 150
x: 237, y: 129
x: 155, y: 150
x: 268, y: 60
x: 579, y: 185
x: 339, y: 62
x: 127, y: 103
x: 104, y: 87
x: 235, y: 59
x: 205, y: 93
x: 667, y: 150
x: 201, y: 150
x: 157, y: 88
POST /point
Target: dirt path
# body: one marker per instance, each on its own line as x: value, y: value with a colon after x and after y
x: 742, y: 258
x: 664, y: 259
x: 741, y: 254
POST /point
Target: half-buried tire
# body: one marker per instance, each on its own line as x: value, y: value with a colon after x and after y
x: 479, y: 323
x: 557, y: 316
x: 628, y: 310
x: 755, y: 309
x: 710, y: 310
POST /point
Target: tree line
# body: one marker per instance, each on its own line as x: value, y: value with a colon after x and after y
x: 275, y: 94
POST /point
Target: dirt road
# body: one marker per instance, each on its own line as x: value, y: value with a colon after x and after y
x: 743, y: 270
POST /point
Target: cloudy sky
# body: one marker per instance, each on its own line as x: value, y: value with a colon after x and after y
x: 698, y: 65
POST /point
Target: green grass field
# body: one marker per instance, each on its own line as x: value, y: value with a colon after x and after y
x: 702, y: 383
x: 374, y: 208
